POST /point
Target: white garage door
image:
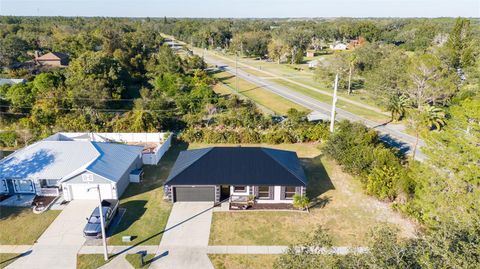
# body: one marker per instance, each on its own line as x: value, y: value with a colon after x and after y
x: 80, y: 191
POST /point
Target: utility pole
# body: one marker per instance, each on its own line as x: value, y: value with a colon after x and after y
x: 334, y: 102
x: 236, y: 71
x: 102, y: 222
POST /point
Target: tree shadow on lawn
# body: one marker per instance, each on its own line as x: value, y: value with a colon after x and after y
x: 134, y: 211
x: 155, y: 175
x: 7, y: 212
x: 319, y: 181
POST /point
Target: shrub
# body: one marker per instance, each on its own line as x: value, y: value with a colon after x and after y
x: 301, y: 201
x: 360, y: 152
x: 8, y: 139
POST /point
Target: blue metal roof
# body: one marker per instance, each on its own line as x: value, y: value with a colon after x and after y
x: 114, y: 160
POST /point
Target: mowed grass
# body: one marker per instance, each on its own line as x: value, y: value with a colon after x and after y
x: 20, y: 226
x: 136, y: 261
x: 8, y: 258
x: 256, y: 93
x: 340, y: 206
x: 357, y: 110
x: 147, y: 212
x: 240, y: 261
x: 280, y: 72
x: 91, y: 261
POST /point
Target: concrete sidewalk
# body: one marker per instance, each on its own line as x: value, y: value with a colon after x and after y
x: 57, y: 247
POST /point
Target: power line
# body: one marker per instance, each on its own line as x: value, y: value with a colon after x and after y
x: 98, y: 109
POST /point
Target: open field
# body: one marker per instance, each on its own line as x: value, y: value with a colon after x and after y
x: 239, y: 261
x: 340, y: 206
x: 31, y: 225
x: 271, y: 101
x: 147, y: 213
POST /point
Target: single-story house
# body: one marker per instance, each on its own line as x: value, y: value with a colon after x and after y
x: 57, y: 59
x: 310, y: 53
x: 220, y: 173
x: 338, y: 46
x: 50, y: 168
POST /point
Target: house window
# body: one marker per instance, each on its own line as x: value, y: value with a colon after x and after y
x: 264, y: 192
x: 239, y: 188
x: 289, y: 193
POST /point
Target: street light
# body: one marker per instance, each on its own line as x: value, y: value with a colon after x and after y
x: 102, y: 221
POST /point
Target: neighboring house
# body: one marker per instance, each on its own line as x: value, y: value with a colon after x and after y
x: 310, y: 53
x: 154, y: 144
x: 56, y: 59
x: 338, y: 46
x: 11, y: 81
x: 234, y: 173
x: 48, y: 168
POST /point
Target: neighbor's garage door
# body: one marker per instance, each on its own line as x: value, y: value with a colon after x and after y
x: 194, y: 194
x: 80, y: 191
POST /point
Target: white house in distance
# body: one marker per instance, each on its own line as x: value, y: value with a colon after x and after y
x: 69, y: 164
x: 338, y: 46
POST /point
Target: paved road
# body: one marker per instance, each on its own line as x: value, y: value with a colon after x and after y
x: 185, y: 240
x: 57, y: 247
x: 388, y: 133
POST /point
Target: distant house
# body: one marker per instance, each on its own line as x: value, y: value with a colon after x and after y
x: 310, y: 53
x: 355, y: 43
x: 313, y: 64
x: 219, y: 173
x: 338, y: 46
x: 11, y: 81
x: 56, y: 59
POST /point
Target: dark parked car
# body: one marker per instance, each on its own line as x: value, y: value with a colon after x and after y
x: 93, y: 227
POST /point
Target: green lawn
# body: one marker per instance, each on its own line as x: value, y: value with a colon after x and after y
x: 8, y: 258
x: 31, y: 225
x: 147, y: 213
x: 270, y: 100
x: 240, y: 261
x: 340, y: 206
x: 136, y: 261
x: 90, y: 261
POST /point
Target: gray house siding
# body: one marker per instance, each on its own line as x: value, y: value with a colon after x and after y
x: 124, y: 180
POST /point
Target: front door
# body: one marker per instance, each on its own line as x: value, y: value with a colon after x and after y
x: 224, y: 192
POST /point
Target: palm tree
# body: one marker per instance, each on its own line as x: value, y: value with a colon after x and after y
x: 398, y: 106
x: 423, y: 118
x: 434, y: 117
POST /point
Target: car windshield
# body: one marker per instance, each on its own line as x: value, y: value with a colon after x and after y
x: 94, y: 220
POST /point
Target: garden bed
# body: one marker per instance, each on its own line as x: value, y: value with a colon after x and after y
x: 263, y: 206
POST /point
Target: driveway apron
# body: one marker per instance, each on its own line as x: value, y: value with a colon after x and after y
x: 185, y: 240
x: 57, y: 247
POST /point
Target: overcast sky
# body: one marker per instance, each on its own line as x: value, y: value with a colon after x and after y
x: 243, y: 8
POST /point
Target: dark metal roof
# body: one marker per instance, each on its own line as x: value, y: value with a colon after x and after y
x: 237, y: 166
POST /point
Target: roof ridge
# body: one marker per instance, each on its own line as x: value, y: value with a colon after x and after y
x: 280, y: 163
x: 207, y: 150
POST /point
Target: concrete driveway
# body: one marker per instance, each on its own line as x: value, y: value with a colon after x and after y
x: 57, y: 247
x: 184, y: 243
